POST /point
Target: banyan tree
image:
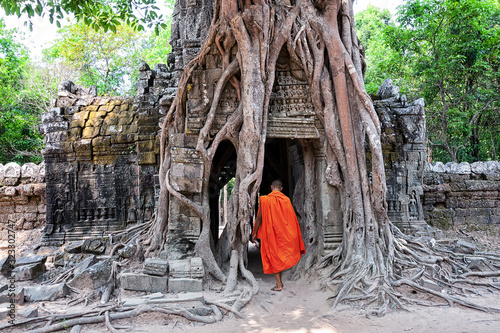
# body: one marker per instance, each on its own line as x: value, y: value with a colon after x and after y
x: 251, y: 41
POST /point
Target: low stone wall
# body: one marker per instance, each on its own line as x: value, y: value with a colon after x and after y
x: 22, y: 196
x: 458, y: 194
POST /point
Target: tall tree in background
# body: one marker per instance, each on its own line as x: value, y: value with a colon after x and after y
x: 451, y: 50
x: 108, y: 59
x: 103, y: 59
x: 381, y: 60
x: 19, y: 138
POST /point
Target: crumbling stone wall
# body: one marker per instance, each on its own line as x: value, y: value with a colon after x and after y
x: 101, y: 155
x: 403, y: 146
x: 459, y: 194
x: 22, y: 196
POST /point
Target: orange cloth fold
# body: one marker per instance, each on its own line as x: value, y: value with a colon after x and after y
x: 281, y: 239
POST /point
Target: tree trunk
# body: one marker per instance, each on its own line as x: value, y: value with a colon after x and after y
x: 319, y: 35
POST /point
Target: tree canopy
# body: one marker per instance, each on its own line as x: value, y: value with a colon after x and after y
x: 447, y: 52
x: 19, y: 138
x: 108, y: 60
x: 105, y: 14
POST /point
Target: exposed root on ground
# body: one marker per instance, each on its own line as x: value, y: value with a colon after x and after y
x: 430, y: 270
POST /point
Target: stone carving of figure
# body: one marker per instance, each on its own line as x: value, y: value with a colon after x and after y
x: 58, y: 215
x: 131, y: 215
x: 413, y: 208
x: 148, y: 206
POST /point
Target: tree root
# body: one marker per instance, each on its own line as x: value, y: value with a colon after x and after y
x: 107, y: 314
x: 450, y: 299
x: 413, y: 262
x: 227, y: 308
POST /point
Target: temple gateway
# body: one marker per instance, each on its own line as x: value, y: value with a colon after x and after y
x: 102, y: 154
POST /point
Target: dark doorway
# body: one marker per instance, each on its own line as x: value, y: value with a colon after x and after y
x: 283, y: 160
x: 223, y: 170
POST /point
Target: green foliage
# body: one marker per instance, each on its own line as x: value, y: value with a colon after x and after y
x: 446, y: 51
x: 96, y: 14
x: 108, y: 60
x: 13, y: 58
x: 19, y: 138
x: 100, y: 58
x: 380, y: 59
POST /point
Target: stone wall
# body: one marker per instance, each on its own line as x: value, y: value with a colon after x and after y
x: 101, y: 155
x: 459, y: 194
x: 22, y: 196
x: 404, y: 152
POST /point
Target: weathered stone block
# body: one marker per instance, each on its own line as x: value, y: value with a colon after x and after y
x: 124, y: 107
x: 95, y: 246
x: 83, y: 146
x: 30, y: 217
x: 10, y: 191
x: 7, y: 209
x: 128, y: 251
x: 7, y: 265
x: 145, y: 146
x: 31, y: 260
x: 180, y: 268
x: 101, y: 142
x: 64, y: 259
x: 187, y: 185
x: 81, y: 266
x: 5, y: 311
x: 28, y: 272
x: 46, y: 292
x: 29, y: 312
x: 90, y: 132
x: 30, y: 170
x: 74, y: 247
x: 185, y: 285
x: 42, y: 209
x: 155, y: 266
x: 60, y: 259
x: 143, y: 282
x: 25, y: 189
x: 15, y: 294
x: 462, y: 246
x: 112, y: 129
x: 79, y: 119
x: 197, y: 270
x: 93, y: 277
x: 75, y: 134
x: 146, y: 158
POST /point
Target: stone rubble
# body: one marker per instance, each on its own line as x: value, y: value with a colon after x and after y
x: 46, y: 292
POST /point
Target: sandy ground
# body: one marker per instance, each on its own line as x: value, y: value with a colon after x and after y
x: 302, y: 307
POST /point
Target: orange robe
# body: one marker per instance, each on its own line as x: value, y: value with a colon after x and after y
x: 281, y: 239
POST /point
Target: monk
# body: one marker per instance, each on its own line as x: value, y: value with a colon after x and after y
x: 278, y: 229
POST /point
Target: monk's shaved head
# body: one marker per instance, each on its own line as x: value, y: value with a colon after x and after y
x: 277, y: 184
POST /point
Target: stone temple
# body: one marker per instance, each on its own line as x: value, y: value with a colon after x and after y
x: 102, y: 154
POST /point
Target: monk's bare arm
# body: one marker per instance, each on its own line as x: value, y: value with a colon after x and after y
x: 258, y: 222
